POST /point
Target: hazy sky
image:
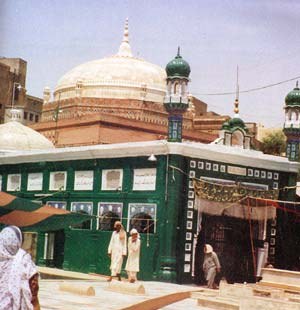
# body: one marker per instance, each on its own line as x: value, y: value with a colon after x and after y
x: 260, y: 36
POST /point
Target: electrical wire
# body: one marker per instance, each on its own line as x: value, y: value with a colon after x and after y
x: 248, y: 90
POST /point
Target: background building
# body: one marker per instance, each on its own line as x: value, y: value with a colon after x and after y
x: 26, y: 109
x: 118, y: 99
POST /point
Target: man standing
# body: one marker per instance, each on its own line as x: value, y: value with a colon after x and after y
x: 117, y: 250
x: 211, y: 266
x: 133, y: 260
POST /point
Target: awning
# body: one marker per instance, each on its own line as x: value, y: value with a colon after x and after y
x: 222, y: 199
x: 32, y: 216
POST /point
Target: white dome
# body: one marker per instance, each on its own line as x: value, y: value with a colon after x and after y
x: 15, y: 136
x: 120, y: 76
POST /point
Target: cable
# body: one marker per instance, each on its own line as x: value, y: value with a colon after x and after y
x: 249, y: 90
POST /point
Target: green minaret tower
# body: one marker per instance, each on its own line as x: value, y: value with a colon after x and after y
x: 292, y: 124
x: 176, y: 99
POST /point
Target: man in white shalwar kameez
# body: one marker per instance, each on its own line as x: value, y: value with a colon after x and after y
x: 133, y: 260
x: 117, y: 249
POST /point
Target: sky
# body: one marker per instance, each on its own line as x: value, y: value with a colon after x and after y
x: 261, y: 37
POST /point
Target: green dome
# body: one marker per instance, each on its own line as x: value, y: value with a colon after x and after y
x: 225, y: 126
x: 293, y: 97
x: 178, y: 67
x: 236, y: 122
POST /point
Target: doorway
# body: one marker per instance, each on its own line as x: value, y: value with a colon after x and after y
x: 54, y: 249
x: 230, y: 239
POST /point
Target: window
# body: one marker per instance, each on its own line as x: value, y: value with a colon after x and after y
x: 57, y: 204
x: 58, y: 181
x: 25, y: 115
x: 36, y: 118
x: 176, y: 88
x: 14, y: 182
x: 31, y: 117
x: 108, y: 213
x: 112, y: 179
x: 142, y: 217
x: 83, y: 208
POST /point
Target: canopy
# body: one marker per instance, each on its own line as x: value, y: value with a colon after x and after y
x: 30, y: 215
x: 217, y: 198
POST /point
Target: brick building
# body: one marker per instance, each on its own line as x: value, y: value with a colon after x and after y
x: 118, y: 99
x: 13, y: 95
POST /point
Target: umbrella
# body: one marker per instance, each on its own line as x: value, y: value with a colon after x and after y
x: 30, y: 215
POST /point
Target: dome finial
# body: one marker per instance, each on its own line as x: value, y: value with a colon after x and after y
x: 297, y: 85
x: 125, y: 49
x: 236, y: 102
x: 178, y: 51
x: 126, y: 33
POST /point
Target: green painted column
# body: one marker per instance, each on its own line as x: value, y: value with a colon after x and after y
x: 175, y: 128
x: 171, y: 229
x: 40, y: 250
x: 68, y: 249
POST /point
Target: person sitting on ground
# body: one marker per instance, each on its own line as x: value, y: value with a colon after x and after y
x: 18, y: 274
x: 117, y: 250
x: 133, y: 260
x: 211, y: 266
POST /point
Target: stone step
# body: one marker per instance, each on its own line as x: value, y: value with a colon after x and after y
x: 218, y: 303
x: 283, y: 286
x: 204, y: 293
x: 286, y: 277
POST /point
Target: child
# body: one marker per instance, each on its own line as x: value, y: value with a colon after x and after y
x: 133, y: 260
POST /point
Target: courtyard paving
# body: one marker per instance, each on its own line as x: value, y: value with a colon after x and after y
x: 51, y: 297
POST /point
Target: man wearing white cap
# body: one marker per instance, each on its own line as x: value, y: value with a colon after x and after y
x: 117, y: 250
x: 211, y: 266
x: 133, y: 260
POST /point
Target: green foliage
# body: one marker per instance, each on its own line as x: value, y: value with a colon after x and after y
x: 274, y: 143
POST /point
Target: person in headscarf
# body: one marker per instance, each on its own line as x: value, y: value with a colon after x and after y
x: 18, y: 273
x: 117, y: 250
x: 133, y: 260
x: 211, y: 266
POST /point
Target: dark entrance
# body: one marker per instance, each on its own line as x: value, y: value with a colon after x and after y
x: 55, y: 249
x: 230, y: 239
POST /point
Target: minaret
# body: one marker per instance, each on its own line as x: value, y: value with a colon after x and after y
x: 291, y: 126
x: 176, y: 99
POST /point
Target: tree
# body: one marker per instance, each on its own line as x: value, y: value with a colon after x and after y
x: 274, y: 143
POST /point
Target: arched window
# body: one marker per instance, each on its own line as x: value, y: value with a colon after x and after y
x: 107, y: 220
x: 176, y: 88
x: 108, y: 213
x: 142, y: 222
x: 237, y: 138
